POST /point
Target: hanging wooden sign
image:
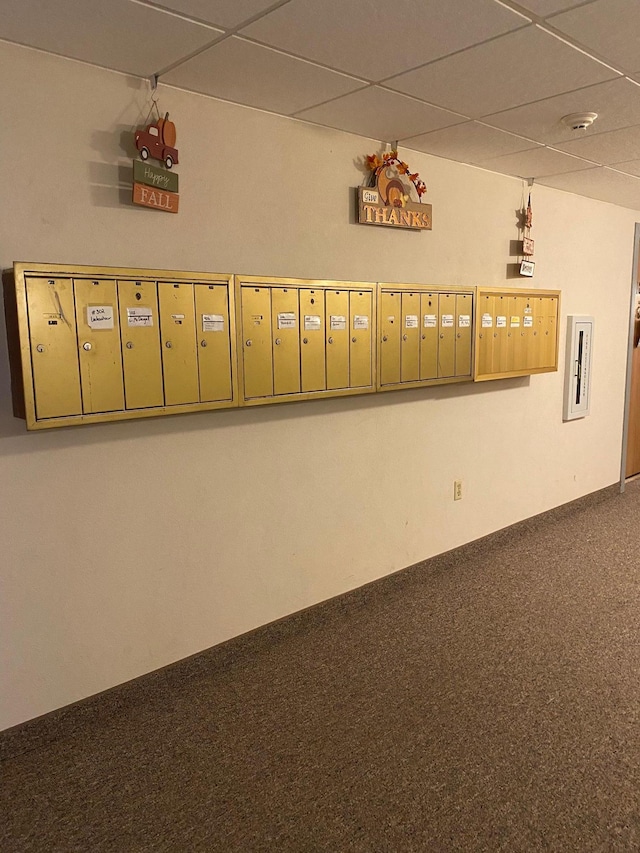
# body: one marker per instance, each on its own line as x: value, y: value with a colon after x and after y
x: 152, y: 176
x: 388, y: 201
x: 527, y: 246
x: 159, y: 199
x: 154, y: 186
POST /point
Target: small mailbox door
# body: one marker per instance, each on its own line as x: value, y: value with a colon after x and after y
x: 140, y: 333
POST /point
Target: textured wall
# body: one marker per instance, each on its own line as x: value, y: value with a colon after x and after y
x: 128, y: 546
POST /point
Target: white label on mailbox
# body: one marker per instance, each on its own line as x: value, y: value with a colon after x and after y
x: 370, y: 196
x: 528, y: 322
x: 337, y: 322
x: 312, y: 322
x: 177, y: 318
x: 360, y: 321
x: 464, y: 321
x: 212, y: 323
x: 411, y: 321
x: 501, y: 322
x: 528, y: 310
x: 447, y: 321
x: 430, y: 321
x: 100, y: 316
x: 515, y: 321
x: 139, y: 316
x: 487, y: 321
x: 287, y: 320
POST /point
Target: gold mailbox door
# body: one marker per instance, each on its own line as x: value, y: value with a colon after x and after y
x: 539, y: 325
x: 447, y: 335
x: 99, y: 349
x: 464, y: 314
x: 213, y: 341
x: 500, y: 352
x: 360, y: 305
x: 550, y: 331
x: 178, y: 336
x: 514, y: 327
x: 256, y: 341
x: 285, y: 316
x: 54, y: 347
x: 390, y: 322
x: 429, y: 336
x: 528, y: 328
x: 486, y: 333
x: 140, y: 333
x: 410, y: 333
x: 312, y: 338
x: 337, y: 337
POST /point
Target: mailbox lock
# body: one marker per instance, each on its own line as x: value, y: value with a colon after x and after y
x: 129, y: 345
x: 330, y: 340
x: 278, y: 341
x: 86, y: 346
x: 405, y: 337
x: 441, y: 335
x: 458, y: 335
x: 40, y: 348
x: 480, y: 335
x: 248, y: 343
x: 168, y: 344
x: 353, y: 340
x: 385, y: 338
x: 305, y: 340
x: 203, y: 343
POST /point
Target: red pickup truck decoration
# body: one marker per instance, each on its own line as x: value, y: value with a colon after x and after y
x: 158, y: 140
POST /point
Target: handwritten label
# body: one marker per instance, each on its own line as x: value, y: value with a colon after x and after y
x: 487, y: 321
x: 100, y: 316
x: 287, y: 320
x: 501, y: 322
x: 430, y: 321
x: 212, y: 323
x: 464, y: 321
x: 139, y: 316
x: 360, y: 321
x: 515, y: 322
x: 312, y: 322
x: 411, y: 321
x: 447, y: 321
x: 337, y: 323
x: 528, y: 322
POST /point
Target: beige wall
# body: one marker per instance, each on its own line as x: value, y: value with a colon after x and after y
x: 128, y: 546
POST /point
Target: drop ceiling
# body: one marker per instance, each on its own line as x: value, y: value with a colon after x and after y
x: 484, y: 82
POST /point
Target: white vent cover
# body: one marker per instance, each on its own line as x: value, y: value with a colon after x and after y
x: 577, y: 379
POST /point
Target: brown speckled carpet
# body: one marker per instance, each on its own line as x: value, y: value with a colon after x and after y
x: 486, y: 700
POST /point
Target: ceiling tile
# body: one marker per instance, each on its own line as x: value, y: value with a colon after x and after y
x: 599, y: 183
x: 380, y: 114
x: 469, y: 143
x: 518, y: 68
x: 535, y: 163
x: 107, y: 34
x: 617, y: 103
x: 606, y: 148
x: 544, y: 8
x: 247, y: 73
x: 631, y: 167
x: 373, y: 39
x: 224, y: 13
x: 611, y: 28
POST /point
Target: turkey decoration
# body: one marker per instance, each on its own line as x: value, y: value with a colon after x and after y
x: 389, y: 199
x: 155, y: 186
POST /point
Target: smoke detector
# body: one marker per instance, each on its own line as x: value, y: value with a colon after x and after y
x: 579, y: 121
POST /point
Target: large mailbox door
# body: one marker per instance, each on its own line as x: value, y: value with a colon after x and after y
x: 447, y: 332
x: 550, y: 331
x: 429, y: 336
x: 285, y: 315
x: 100, y: 355
x: 502, y: 320
x: 518, y: 336
x: 360, y: 305
x: 140, y: 333
x: 390, y: 322
x: 528, y: 328
x: 54, y: 347
x: 410, y: 346
x: 539, y: 325
x: 464, y: 313
x: 337, y: 338
x: 312, y: 340
x: 178, y: 335
x: 214, y: 341
x: 486, y: 333
x: 514, y: 323
x: 256, y: 341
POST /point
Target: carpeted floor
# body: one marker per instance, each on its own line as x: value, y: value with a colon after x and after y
x: 487, y: 700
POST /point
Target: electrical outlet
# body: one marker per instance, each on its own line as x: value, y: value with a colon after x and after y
x: 457, y: 490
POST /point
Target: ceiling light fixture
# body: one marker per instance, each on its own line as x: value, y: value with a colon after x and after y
x: 579, y: 121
